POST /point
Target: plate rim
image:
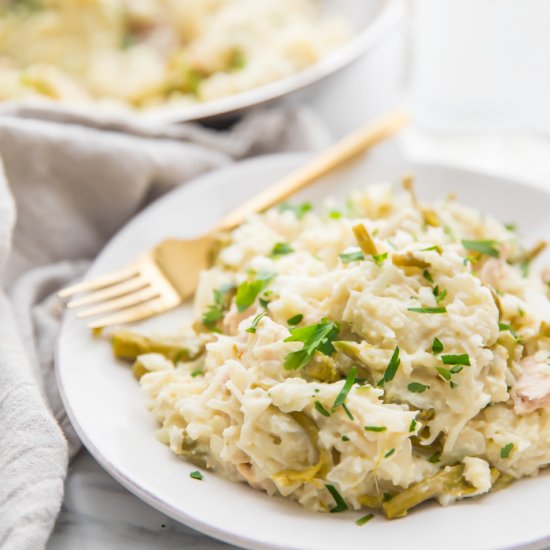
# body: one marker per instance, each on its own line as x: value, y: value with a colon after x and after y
x: 149, y: 497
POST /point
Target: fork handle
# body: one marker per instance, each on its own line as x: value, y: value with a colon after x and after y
x: 335, y: 155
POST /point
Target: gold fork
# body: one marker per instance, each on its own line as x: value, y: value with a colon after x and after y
x: 155, y: 281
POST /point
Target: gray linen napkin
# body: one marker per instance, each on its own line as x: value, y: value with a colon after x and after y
x: 70, y: 188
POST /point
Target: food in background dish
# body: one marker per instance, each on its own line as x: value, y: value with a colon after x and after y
x: 149, y: 52
x: 374, y: 356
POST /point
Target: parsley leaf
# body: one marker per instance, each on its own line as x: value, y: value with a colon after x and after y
x: 445, y: 373
x: 437, y: 346
x: 389, y: 453
x: 320, y: 409
x: 252, y: 328
x: 215, y: 311
x: 341, y: 505
x: 435, y: 458
x: 505, y: 326
x: 439, y: 295
x: 486, y: 248
x: 296, y: 320
x: 249, y: 290
x: 417, y: 387
x: 462, y: 359
x: 505, y: 451
x: 375, y: 428
x: 196, y: 475
x: 394, y: 363
x: 299, y: 210
x: 318, y: 337
x: 412, y: 427
x: 280, y: 249
x: 379, y: 259
x: 427, y: 309
x: 428, y: 276
x: 341, y: 397
x: 353, y: 256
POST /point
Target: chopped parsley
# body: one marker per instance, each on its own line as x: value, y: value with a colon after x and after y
x: 345, y: 438
x: 341, y: 505
x: 505, y: 451
x: 252, y: 328
x: 249, y: 290
x: 428, y: 276
x: 427, y: 309
x: 435, y: 247
x: 320, y: 409
x: 296, y: 320
x: 505, y: 326
x: 379, y: 259
x: 524, y: 268
x: 392, y: 367
x: 435, y: 458
x: 511, y: 226
x: 299, y: 210
x: 417, y: 387
x: 462, y: 359
x: 439, y: 295
x: 487, y: 248
x: 412, y: 426
x: 214, y: 312
x: 196, y: 475
x: 445, y: 373
x: 353, y: 256
x: 387, y: 497
x: 437, y: 346
x: 347, y: 411
x: 280, y: 249
x: 341, y: 397
x: 197, y: 372
x: 375, y: 428
x: 318, y: 337
x: 335, y: 214
x: 456, y: 369
x: 389, y: 453
x: 365, y: 519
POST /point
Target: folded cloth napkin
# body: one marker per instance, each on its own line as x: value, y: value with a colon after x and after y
x: 64, y: 190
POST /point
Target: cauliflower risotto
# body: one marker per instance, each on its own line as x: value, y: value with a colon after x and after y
x: 372, y: 356
x: 149, y: 52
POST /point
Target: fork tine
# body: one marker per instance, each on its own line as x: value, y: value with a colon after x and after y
x: 100, y: 282
x: 137, y: 313
x: 113, y: 291
x: 123, y: 302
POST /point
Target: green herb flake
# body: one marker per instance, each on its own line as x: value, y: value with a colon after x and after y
x: 435, y: 247
x: 320, y: 409
x: 453, y: 384
x: 296, y: 320
x: 439, y: 295
x: 317, y: 337
x: 347, y: 411
x: 524, y: 268
x: 435, y: 458
x: 196, y: 475
x: 252, y: 328
x: 335, y: 214
x: 437, y: 346
x: 341, y: 397
x: 375, y: 428
x: 392, y: 366
x: 511, y: 227
x: 427, y: 309
x: 505, y: 326
x: 417, y: 387
x: 248, y: 291
x: 462, y: 359
x: 506, y: 450
x: 456, y: 369
x: 389, y: 453
x: 365, y: 519
x: 197, y: 372
x: 345, y: 438
x: 428, y: 276
x: 353, y: 256
x: 215, y: 311
x: 445, y: 373
x: 412, y: 426
x: 341, y: 505
x: 387, y: 497
x: 299, y: 210
x: 486, y: 248
x: 379, y: 259
x: 280, y: 249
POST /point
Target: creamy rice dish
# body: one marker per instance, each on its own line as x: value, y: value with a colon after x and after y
x: 369, y: 356
x: 144, y: 53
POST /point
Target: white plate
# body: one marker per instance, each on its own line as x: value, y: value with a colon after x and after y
x: 108, y: 410
x: 371, y: 21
